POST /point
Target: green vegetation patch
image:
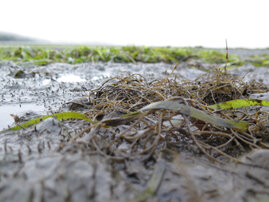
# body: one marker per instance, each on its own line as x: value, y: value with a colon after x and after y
x: 259, y: 60
x: 43, y: 55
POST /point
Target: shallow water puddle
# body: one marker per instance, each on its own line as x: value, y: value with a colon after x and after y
x: 16, y: 109
x: 70, y: 78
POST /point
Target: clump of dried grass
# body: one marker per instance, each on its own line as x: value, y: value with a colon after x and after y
x: 115, y: 136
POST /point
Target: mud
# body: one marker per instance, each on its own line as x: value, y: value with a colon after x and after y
x: 41, y: 163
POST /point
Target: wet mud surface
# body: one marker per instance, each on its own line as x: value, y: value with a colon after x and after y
x: 41, y: 163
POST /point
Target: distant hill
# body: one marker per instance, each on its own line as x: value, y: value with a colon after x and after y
x: 9, y: 37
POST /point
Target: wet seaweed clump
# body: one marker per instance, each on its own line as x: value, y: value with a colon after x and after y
x: 136, y: 117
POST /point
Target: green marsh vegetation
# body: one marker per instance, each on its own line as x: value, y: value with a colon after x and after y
x: 259, y: 60
x: 46, y: 54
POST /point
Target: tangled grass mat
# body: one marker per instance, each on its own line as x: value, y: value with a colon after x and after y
x: 130, y: 117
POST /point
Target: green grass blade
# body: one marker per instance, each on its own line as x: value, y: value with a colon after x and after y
x: 59, y: 116
x: 234, y: 104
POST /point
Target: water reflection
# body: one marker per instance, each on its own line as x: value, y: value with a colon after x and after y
x: 70, y: 78
x: 16, y: 109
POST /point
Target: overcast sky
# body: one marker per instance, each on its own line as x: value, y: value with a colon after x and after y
x: 141, y: 22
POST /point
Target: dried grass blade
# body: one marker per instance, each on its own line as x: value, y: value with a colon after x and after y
x: 177, y: 107
x: 154, y: 182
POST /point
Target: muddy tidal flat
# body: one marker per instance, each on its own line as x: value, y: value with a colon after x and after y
x: 75, y: 160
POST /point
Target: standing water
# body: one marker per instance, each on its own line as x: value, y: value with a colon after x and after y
x: 6, y: 119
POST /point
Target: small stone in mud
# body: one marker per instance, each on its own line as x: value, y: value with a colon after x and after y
x: 20, y: 74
